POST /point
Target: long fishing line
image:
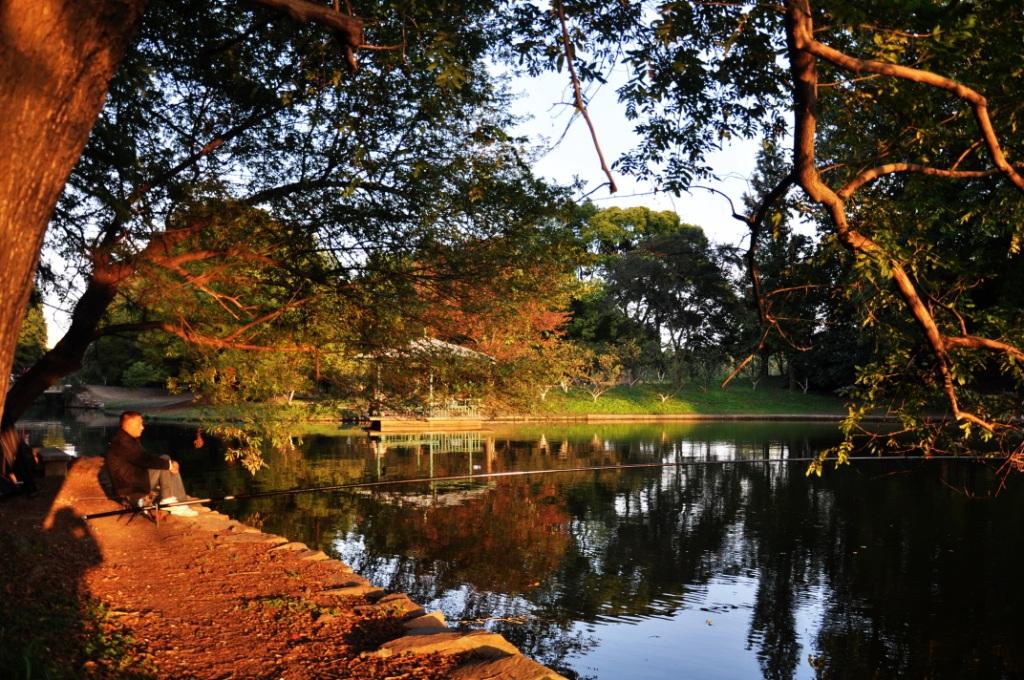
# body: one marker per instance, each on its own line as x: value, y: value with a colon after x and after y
x: 508, y: 473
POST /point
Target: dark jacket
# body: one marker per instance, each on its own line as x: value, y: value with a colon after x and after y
x: 128, y: 465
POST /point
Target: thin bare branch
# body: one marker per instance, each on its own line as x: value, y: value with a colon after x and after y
x: 732, y: 206
x: 270, y: 316
x: 739, y: 367
x: 191, y: 336
x: 896, y: 32
x: 755, y: 223
x: 952, y: 310
x: 347, y: 29
x: 581, y: 105
x: 750, y: 357
x: 207, y: 149
x: 791, y: 289
x: 383, y: 48
x: 966, y: 153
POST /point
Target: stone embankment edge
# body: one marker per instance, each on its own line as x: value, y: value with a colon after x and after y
x: 490, y: 655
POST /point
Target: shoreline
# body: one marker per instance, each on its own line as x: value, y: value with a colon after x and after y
x: 170, y: 416
x: 633, y: 405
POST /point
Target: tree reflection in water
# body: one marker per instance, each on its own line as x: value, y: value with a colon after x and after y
x: 876, y: 570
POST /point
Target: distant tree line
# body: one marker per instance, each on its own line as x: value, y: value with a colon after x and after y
x: 638, y: 297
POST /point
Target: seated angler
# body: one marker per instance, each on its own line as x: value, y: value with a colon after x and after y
x: 135, y: 473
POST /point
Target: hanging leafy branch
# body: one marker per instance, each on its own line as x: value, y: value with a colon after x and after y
x: 804, y: 48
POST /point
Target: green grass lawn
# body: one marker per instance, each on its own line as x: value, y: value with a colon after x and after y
x: 734, y: 399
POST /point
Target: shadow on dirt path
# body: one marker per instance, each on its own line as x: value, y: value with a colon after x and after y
x: 49, y: 626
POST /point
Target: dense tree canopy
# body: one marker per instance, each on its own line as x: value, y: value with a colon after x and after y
x: 264, y: 199
x: 895, y: 107
x: 673, y: 286
x: 902, y: 120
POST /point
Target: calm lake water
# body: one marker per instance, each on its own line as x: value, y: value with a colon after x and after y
x: 725, y: 567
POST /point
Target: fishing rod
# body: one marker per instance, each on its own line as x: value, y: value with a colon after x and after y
x: 494, y: 475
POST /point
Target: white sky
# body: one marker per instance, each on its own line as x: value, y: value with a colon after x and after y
x: 575, y: 156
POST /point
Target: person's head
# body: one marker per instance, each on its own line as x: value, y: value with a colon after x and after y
x: 131, y: 422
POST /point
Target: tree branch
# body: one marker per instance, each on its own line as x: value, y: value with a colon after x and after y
x: 804, y: 40
x: 755, y: 223
x: 188, y: 335
x: 270, y: 316
x: 790, y: 289
x: 803, y: 48
x: 347, y: 29
x: 206, y: 150
x: 975, y: 342
x: 872, y: 174
x: 581, y: 106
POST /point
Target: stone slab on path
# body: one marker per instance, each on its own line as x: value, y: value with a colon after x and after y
x: 516, y: 667
x: 432, y: 622
x: 479, y: 643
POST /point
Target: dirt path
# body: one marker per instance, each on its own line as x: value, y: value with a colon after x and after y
x: 205, y: 597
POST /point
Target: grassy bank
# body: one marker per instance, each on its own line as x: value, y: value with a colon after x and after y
x: 624, y: 400
x: 664, y: 400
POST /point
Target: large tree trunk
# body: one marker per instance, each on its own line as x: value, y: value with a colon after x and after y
x: 56, y: 59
